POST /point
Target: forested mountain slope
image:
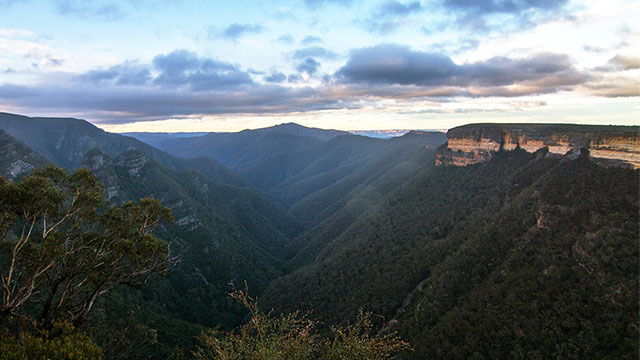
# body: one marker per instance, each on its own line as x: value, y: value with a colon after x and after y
x: 64, y: 141
x: 553, y: 274
x: 223, y: 234
x: 16, y: 158
x: 293, y: 167
x: 238, y: 150
x: 522, y: 247
x: 369, y: 175
x: 526, y: 255
x: 332, y: 210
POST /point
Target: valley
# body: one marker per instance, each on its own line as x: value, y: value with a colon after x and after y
x: 492, y: 241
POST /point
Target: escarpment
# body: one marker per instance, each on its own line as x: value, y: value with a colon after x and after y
x: 477, y: 143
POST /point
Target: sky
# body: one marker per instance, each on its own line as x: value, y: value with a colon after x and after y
x: 179, y: 65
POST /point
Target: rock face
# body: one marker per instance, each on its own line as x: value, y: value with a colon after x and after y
x: 477, y: 143
x: 16, y: 158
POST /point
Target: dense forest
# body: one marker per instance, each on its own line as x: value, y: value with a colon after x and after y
x: 341, y: 246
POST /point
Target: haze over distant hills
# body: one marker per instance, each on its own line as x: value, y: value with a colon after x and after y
x: 518, y: 255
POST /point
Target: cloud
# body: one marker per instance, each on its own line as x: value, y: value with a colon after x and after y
x: 396, y: 8
x: 184, y: 68
x: 182, y: 84
x: 309, y: 66
x: 176, y: 70
x: 293, y: 78
x: 502, y: 6
x: 315, y: 51
x: 622, y: 62
x: 123, y: 105
x: 128, y: 73
x: 395, y: 64
x: 319, y: 3
x: 505, y: 16
x: 235, y: 31
x: 389, y: 16
x: 287, y: 39
x: 310, y: 39
x: 609, y: 80
x: 105, y: 10
x: 276, y: 77
x: 615, y: 87
x: 399, y: 65
x: 41, y: 57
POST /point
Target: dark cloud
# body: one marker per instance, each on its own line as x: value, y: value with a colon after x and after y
x: 503, y: 15
x: 184, y: 68
x: 399, y: 65
x: 178, y: 69
x: 276, y: 77
x: 123, y: 105
x: 293, y: 78
x: 310, y: 39
x: 181, y: 83
x: 129, y: 73
x: 395, y: 64
x: 503, y: 6
x: 235, y: 31
x: 309, y: 66
x: 316, y: 52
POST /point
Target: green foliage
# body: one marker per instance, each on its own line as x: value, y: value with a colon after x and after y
x: 62, y: 342
x: 293, y: 336
x: 514, y: 258
x: 382, y: 255
x: 62, y: 247
x: 223, y: 233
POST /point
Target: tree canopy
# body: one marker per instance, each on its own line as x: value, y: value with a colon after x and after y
x: 62, y: 246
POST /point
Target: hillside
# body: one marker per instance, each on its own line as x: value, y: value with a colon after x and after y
x: 223, y: 234
x: 65, y: 141
x: 16, y: 158
x: 485, y: 258
x: 238, y: 150
x: 554, y: 273
x: 291, y: 165
x: 528, y: 252
x: 168, y: 141
x: 332, y: 210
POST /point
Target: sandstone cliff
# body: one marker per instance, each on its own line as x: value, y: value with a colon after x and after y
x: 476, y: 143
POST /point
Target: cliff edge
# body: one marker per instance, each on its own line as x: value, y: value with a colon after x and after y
x: 477, y: 143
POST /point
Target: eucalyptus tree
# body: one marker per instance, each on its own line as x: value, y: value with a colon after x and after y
x: 62, y: 246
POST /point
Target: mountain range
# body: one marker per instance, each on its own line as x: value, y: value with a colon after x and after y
x: 520, y: 255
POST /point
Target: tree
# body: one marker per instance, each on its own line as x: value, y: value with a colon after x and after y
x: 62, y: 246
x: 292, y: 336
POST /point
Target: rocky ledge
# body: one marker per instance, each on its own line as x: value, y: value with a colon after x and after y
x: 477, y: 143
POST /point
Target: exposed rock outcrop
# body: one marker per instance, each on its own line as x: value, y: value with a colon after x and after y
x: 16, y: 158
x: 476, y: 143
